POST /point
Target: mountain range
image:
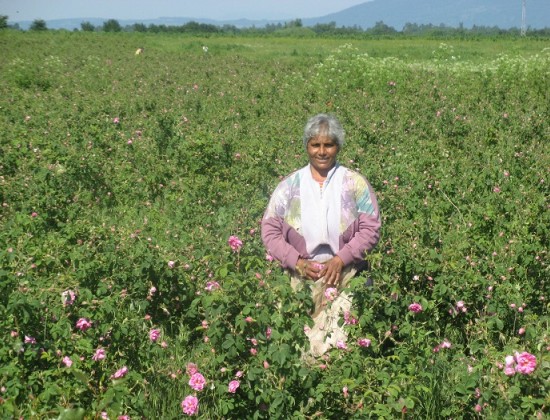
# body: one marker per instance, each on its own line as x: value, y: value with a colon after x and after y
x: 504, y: 14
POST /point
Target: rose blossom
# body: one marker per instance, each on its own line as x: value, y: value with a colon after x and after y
x: 190, y: 405
x: 121, y: 373
x: 349, y: 319
x: 526, y: 363
x: 83, y: 324
x: 197, y: 381
x: 509, y: 371
x: 331, y: 293
x: 30, y: 340
x: 154, y: 334
x: 191, y: 369
x: 68, y: 297
x: 341, y: 345
x: 233, y: 386
x: 415, y: 307
x: 235, y: 243
x: 212, y: 285
x: 67, y: 361
x: 99, y: 355
x: 445, y: 344
x: 364, y: 342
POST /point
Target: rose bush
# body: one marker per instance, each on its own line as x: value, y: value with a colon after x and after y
x: 133, y: 278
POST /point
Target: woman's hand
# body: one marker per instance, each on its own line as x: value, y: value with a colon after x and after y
x: 309, y: 269
x: 332, y: 270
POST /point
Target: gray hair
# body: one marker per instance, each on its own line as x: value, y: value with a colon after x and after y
x: 326, y: 125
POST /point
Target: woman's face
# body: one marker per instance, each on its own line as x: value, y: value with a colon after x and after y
x: 322, y: 151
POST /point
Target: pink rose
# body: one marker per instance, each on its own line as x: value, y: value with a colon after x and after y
x: 99, y: 355
x: 121, y: 373
x: 509, y: 371
x: 212, y: 285
x: 30, y: 340
x: 235, y: 243
x: 331, y: 293
x: 415, y: 307
x: 233, y: 386
x: 364, y: 342
x: 510, y: 361
x: 67, y: 361
x: 197, y: 381
x: 191, y: 369
x: 154, y: 334
x: 190, y: 405
x: 268, y: 332
x: 68, y: 297
x: 526, y: 363
x: 83, y: 324
x: 349, y: 319
x: 171, y: 264
x: 341, y: 345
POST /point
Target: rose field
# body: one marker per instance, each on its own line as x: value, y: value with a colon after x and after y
x: 133, y: 279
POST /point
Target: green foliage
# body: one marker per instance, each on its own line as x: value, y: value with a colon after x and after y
x: 38, y: 25
x: 87, y: 26
x: 112, y: 25
x: 122, y: 177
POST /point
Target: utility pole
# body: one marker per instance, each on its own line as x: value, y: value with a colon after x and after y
x: 523, y: 12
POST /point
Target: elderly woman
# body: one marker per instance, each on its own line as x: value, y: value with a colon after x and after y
x: 319, y: 224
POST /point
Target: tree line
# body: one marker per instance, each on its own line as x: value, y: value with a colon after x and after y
x: 291, y: 28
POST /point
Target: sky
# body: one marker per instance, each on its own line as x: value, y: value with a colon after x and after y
x: 22, y: 10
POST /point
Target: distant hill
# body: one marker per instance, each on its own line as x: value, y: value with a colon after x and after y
x: 504, y: 14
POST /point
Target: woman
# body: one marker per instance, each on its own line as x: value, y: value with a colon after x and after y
x: 320, y: 222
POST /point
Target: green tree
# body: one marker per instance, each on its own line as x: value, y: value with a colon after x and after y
x: 38, y: 25
x: 3, y: 21
x: 139, y: 27
x: 111, y: 25
x: 87, y: 27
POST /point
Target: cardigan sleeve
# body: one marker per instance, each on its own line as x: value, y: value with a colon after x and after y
x: 365, y: 239
x: 366, y: 228
x: 274, y: 239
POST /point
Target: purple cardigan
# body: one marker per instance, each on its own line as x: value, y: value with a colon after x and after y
x: 286, y: 245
